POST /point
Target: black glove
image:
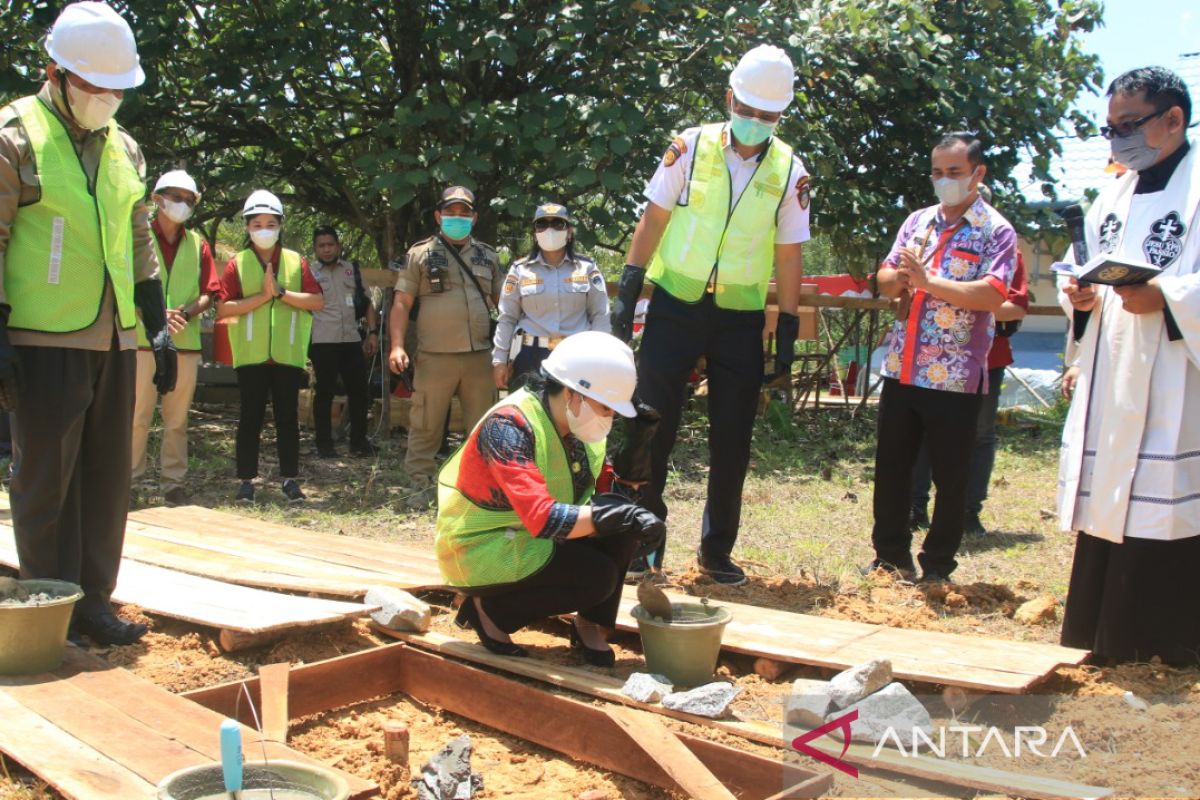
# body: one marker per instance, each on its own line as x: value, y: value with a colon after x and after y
x: 1008, y: 328
x: 8, y: 365
x: 629, y: 289
x: 632, y: 463
x: 613, y: 515
x: 148, y: 297
x: 787, y: 330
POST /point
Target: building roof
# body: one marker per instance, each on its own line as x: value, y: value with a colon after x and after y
x: 1081, y: 166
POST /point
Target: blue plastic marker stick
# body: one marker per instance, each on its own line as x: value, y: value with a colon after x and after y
x: 231, y: 755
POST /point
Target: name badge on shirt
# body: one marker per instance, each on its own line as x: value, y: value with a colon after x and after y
x: 349, y: 301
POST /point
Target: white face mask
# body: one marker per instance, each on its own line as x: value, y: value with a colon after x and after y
x: 550, y: 239
x: 176, y: 211
x: 588, y: 426
x: 265, y: 238
x: 953, y: 191
x: 92, y: 111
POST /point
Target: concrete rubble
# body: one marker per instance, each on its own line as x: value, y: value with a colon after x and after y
x: 399, y: 610
x: 852, y: 685
x: 892, y: 707
x: 647, y: 688
x: 710, y: 700
x: 808, y: 704
x: 447, y: 774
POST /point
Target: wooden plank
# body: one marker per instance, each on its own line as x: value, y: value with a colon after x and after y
x: 661, y: 743
x: 579, y: 730
x: 73, y: 769
x: 608, y: 688
x: 273, y: 687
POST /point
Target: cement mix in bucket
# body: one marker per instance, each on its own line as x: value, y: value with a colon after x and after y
x: 287, y: 782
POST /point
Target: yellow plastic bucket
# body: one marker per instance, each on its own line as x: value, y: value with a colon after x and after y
x: 32, y: 637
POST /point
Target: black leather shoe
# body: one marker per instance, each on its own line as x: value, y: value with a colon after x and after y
x: 721, y: 569
x: 906, y: 572
x: 468, y: 615
x: 75, y: 637
x: 597, y: 658
x: 105, y: 628
x: 364, y: 449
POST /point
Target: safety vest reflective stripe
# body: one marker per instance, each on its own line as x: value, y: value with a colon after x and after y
x: 274, y: 331
x: 713, y: 233
x: 182, y: 283
x: 68, y: 245
x: 482, y: 547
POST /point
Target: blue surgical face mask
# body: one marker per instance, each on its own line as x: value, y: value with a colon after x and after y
x: 1133, y: 152
x: 751, y: 131
x: 456, y: 228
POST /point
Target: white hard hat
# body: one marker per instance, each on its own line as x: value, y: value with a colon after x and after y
x: 177, y: 179
x: 763, y: 78
x: 96, y: 43
x: 597, y: 365
x: 261, y: 201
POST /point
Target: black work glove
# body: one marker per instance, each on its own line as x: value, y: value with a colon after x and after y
x: 787, y: 330
x: 148, y: 297
x: 629, y: 289
x: 8, y: 365
x: 1008, y: 327
x: 613, y: 515
x: 632, y: 463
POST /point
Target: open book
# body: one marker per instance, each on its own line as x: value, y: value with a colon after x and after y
x: 1110, y: 270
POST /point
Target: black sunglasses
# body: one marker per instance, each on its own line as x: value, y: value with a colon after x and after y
x: 543, y: 224
x: 1124, y: 130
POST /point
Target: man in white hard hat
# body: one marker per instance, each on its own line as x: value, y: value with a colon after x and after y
x: 76, y: 259
x: 728, y: 202
x: 190, y: 280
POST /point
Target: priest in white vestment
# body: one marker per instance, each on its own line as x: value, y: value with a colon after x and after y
x: 1129, y: 474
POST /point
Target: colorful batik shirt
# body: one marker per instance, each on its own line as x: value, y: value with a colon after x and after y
x: 941, y: 346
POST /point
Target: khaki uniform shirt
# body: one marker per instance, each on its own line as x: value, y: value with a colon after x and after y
x: 335, y: 322
x: 456, y: 319
x: 20, y: 186
x: 552, y: 302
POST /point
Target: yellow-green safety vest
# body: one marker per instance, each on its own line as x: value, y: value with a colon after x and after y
x: 482, y: 547
x: 274, y: 331
x: 182, y: 288
x: 67, y: 245
x: 713, y: 233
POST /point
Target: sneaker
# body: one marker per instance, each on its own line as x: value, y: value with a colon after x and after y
x: 177, y: 496
x: 721, y: 569
x: 245, y: 493
x: 918, y: 519
x: 972, y: 526
x: 364, y: 449
x: 291, y: 491
x: 907, y: 573
x: 326, y: 451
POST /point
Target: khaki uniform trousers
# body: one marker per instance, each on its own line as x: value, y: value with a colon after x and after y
x: 437, y: 378
x: 175, y: 408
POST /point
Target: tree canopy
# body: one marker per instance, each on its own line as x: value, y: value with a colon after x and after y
x: 361, y: 112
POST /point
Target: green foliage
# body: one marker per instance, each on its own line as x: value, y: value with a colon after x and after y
x: 358, y: 113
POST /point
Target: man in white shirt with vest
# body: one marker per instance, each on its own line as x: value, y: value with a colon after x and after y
x: 76, y: 260
x: 189, y: 275
x: 729, y: 202
x: 1130, y: 465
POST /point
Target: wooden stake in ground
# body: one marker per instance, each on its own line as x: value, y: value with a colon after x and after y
x: 665, y: 748
x: 395, y: 741
x: 273, y: 679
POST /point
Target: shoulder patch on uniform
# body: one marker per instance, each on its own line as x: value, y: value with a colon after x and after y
x: 511, y: 282
x: 804, y: 191
x: 674, y: 152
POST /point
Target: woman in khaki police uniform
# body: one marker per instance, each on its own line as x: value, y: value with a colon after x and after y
x: 548, y: 295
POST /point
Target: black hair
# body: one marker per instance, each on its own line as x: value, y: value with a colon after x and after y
x: 543, y: 385
x: 326, y: 230
x: 1163, y: 89
x: 974, y: 146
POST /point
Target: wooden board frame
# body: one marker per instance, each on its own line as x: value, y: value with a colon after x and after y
x: 580, y: 730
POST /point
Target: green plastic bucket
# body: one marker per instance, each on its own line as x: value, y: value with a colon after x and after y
x: 32, y: 637
x: 686, y: 648
x: 276, y: 780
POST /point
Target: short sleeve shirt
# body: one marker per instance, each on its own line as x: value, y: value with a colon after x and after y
x: 669, y: 185
x: 336, y: 322
x: 941, y: 346
x: 452, y: 316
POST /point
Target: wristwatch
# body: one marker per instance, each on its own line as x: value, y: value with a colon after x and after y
x: 282, y: 291
x: 183, y: 312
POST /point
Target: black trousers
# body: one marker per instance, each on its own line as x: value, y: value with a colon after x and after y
x: 676, y: 335
x: 280, y: 383
x: 72, y: 438
x: 526, y: 365
x: 331, y: 360
x: 944, y: 422
x: 584, y: 575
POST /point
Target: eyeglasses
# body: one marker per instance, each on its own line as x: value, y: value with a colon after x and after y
x: 1124, y: 130
x: 180, y: 198
x: 543, y: 224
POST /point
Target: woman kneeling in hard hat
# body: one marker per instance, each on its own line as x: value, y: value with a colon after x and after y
x: 516, y: 533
